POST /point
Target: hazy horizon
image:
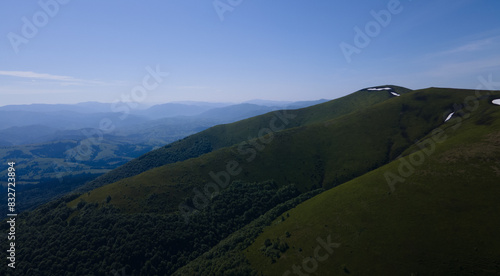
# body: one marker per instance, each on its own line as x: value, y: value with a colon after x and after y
x: 149, y: 104
x: 221, y: 102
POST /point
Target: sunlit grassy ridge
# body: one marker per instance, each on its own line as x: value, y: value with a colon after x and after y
x: 315, y: 155
x: 442, y: 220
x: 229, y: 134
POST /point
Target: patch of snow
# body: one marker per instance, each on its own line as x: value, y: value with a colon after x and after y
x: 497, y: 102
x: 449, y: 117
x: 395, y: 94
x: 379, y: 89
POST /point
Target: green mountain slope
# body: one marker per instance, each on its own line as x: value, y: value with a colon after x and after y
x: 203, y: 215
x: 438, y: 215
x: 229, y: 134
x: 317, y: 155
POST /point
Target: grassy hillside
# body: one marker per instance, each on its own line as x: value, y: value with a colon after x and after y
x: 317, y: 155
x: 440, y: 221
x: 230, y: 134
x: 203, y: 214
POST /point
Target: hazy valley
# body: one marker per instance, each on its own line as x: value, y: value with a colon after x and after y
x: 60, y: 147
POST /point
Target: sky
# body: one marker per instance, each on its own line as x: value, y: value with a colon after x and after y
x: 157, y: 51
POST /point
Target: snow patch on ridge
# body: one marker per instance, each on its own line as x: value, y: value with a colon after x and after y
x: 388, y: 89
x: 379, y: 89
x: 449, y: 117
x: 497, y: 102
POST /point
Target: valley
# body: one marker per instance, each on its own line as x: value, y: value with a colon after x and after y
x: 61, y: 147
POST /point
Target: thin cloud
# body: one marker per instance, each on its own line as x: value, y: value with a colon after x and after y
x: 465, y: 68
x: 62, y: 80
x: 473, y: 57
x: 33, y: 75
x: 469, y: 47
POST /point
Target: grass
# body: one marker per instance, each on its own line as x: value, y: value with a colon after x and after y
x: 227, y: 135
x: 441, y: 220
x: 303, y: 155
x: 322, y: 154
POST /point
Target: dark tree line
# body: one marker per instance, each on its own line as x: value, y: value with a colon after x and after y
x: 91, y: 240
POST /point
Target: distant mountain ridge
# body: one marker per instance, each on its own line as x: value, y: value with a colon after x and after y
x: 44, y: 143
x: 84, y: 107
x: 89, y: 114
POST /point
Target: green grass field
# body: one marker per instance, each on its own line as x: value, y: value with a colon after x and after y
x: 442, y: 220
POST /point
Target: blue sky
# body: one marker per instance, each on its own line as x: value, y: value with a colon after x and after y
x: 277, y: 50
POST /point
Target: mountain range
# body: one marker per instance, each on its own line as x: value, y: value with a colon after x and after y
x: 384, y: 181
x: 61, y: 146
